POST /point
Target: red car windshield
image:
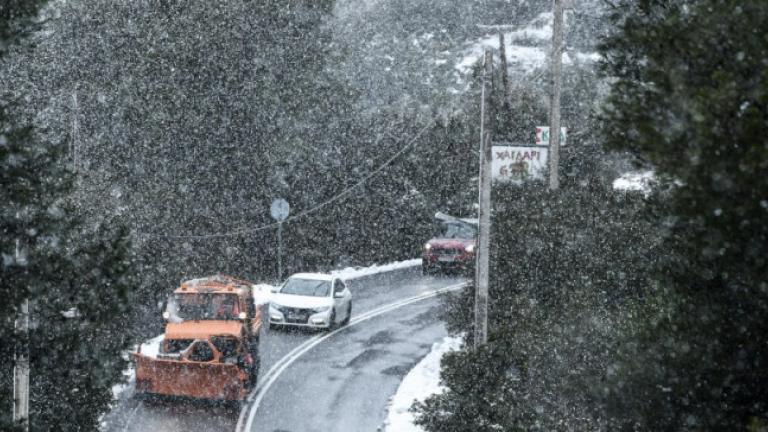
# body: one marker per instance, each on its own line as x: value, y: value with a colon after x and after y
x: 452, y: 230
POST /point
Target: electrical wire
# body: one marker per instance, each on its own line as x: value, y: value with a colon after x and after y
x: 300, y: 215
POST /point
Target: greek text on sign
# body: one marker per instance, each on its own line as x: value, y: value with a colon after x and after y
x: 517, y: 164
x: 542, y: 135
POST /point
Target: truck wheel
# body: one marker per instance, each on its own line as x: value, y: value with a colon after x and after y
x: 253, y: 373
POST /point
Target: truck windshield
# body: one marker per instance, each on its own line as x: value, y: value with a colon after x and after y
x: 458, y: 231
x: 203, y: 306
x: 306, y: 287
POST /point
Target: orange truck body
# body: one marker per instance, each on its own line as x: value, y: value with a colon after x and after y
x: 209, y: 358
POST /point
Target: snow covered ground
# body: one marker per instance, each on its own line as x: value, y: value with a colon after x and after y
x: 357, y: 272
x: 635, y: 181
x: 527, y: 48
x: 421, y: 382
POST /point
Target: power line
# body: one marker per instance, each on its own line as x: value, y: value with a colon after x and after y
x: 306, y: 212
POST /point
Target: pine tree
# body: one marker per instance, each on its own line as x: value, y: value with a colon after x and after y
x: 690, y: 100
x: 76, y: 278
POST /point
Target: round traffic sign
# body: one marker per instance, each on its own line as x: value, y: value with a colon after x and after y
x: 279, y: 209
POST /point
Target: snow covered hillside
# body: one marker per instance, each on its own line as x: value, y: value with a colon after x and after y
x: 424, y: 51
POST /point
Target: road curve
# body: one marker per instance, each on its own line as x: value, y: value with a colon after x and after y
x: 411, y: 328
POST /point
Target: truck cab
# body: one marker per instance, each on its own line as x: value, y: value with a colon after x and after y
x: 210, y: 348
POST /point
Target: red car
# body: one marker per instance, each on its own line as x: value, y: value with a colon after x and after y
x: 452, y: 249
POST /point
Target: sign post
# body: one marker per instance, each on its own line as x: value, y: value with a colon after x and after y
x: 556, y: 66
x: 279, y: 211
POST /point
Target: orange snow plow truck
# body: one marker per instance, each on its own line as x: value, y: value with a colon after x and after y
x: 210, y: 349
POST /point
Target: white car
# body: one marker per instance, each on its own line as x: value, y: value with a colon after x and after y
x: 311, y: 300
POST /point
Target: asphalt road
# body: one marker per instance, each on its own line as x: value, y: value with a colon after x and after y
x: 335, y: 382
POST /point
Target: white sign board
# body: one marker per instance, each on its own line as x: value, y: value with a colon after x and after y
x: 542, y: 135
x: 279, y: 209
x: 516, y: 164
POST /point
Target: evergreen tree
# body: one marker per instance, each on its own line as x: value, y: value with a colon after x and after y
x: 77, y: 279
x: 565, y: 267
x: 690, y: 100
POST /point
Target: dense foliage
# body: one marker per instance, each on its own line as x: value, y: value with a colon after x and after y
x: 76, y: 277
x: 566, y: 266
x: 186, y: 134
x: 618, y: 312
x: 690, y: 99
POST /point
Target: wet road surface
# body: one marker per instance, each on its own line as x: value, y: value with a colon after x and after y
x: 341, y: 383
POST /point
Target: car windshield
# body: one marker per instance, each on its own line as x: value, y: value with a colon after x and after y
x: 306, y: 287
x: 203, y: 306
x: 457, y: 231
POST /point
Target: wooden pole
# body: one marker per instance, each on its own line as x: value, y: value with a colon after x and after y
x: 75, y: 131
x: 484, y: 213
x: 556, y: 67
x: 21, y: 357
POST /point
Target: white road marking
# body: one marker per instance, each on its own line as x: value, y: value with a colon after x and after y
x: 257, y: 395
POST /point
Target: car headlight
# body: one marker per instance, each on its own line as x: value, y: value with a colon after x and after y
x: 470, y: 248
x: 427, y: 246
x: 321, y: 309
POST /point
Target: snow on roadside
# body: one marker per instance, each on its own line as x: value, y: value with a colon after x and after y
x: 261, y: 293
x: 358, y: 272
x: 635, y: 181
x: 421, y: 382
x: 527, y: 48
x: 151, y: 347
x: 148, y: 348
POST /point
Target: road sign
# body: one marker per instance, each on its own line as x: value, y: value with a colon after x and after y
x: 516, y: 164
x: 279, y: 209
x: 542, y: 135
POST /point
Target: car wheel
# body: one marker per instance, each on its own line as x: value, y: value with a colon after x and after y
x: 349, y: 314
x: 425, y: 270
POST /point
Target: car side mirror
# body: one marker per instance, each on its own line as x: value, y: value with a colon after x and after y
x: 274, y: 289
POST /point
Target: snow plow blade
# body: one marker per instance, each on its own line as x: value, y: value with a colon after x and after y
x: 199, y: 380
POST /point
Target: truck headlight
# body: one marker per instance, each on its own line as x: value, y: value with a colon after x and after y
x: 427, y: 246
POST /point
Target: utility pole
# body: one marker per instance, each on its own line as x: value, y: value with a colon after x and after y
x: 484, y: 213
x: 279, y: 252
x: 21, y: 356
x: 504, y: 72
x: 556, y: 68
x: 75, y: 131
